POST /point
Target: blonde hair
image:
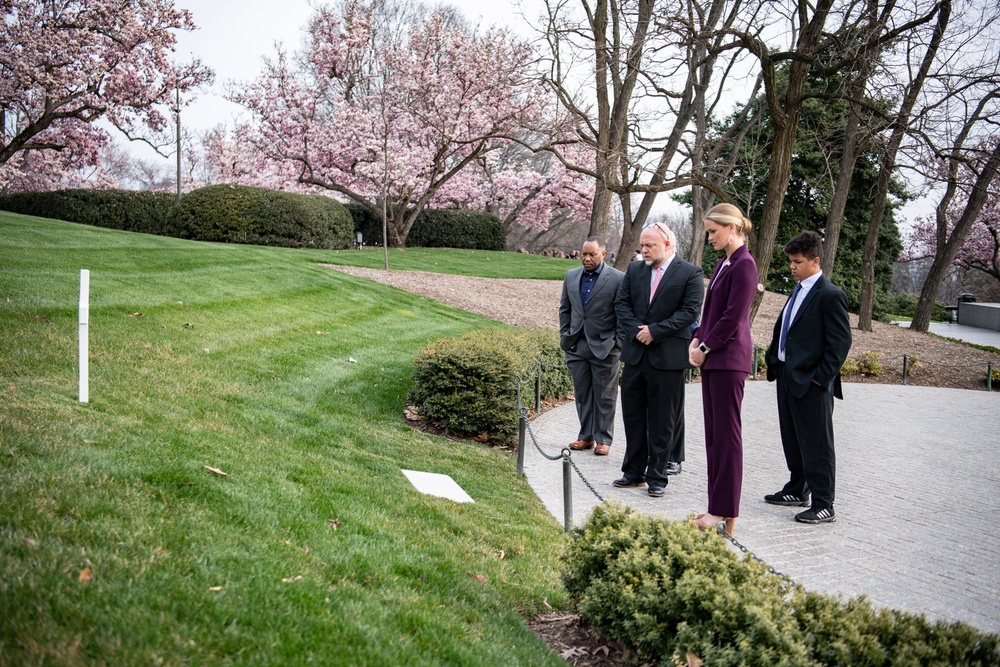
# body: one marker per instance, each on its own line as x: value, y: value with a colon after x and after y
x: 731, y: 215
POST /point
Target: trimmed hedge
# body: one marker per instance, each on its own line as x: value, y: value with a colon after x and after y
x: 127, y: 210
x: 438, y: 228
x: 666, y: 589
x: 243, y: 214
x: 468, y: 385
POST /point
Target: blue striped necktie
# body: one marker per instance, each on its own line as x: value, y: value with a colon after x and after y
x: 786, y: 318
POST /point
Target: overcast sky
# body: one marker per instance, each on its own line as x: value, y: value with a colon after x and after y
x: 233, y: 36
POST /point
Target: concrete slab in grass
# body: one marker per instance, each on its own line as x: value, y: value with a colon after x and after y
x: 436, y: 484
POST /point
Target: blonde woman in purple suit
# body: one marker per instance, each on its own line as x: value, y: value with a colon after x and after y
x: 722, y: 347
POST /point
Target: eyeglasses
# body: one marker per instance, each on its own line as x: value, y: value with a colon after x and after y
x: 662, y: 228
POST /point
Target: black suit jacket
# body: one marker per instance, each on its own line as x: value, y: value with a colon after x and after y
x: 675, y: 307
x: 819, y: 339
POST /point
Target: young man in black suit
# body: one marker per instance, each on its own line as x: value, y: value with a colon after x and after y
x: 810, y: 343
x: 658, y: 300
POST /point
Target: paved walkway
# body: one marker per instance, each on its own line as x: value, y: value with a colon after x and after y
x: 976, y: 335
x: 918, y: 495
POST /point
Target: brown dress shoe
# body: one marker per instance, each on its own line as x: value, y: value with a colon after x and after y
x: 602, y: 450
x: 578, y: 445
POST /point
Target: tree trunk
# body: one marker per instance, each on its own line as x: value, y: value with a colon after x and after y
x: 944, y: 257
x: 701, y: 203
x: 852, y: 133
x: 779, y: 174
x: 600, y: 211
x: 888, y: 164
x: 848, y: 159
x: 786, y: 120
x: 604, y: 161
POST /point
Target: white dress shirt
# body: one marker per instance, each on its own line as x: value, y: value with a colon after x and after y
x: 792, y: 309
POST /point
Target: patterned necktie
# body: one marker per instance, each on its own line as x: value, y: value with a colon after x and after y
x: 656, y: 283
x: 786, y: 318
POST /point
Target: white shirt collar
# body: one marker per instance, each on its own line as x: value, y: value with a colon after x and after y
x: 807, y: 283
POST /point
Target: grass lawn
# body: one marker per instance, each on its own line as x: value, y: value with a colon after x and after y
x: 485, y: 263
x: 118, y: 546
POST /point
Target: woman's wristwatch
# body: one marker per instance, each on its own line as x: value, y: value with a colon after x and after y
x: 704, y: 350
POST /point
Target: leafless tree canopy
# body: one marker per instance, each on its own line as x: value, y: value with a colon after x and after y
x: 642, y: 83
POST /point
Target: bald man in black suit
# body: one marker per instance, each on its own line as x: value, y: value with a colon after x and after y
x: 658, y: 301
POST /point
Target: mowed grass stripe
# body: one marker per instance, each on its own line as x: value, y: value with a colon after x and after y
x: 186, y: 567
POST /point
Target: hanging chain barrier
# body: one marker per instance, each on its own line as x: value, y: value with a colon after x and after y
x: 870, y: 363
x: 524, y: 429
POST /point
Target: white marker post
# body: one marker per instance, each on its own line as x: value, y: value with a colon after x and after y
x: 84, y: 335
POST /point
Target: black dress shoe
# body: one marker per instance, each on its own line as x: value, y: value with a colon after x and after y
x: 656, y: 490
x: 626, y: 481
x: 673, y: 468
x: 786, y: 499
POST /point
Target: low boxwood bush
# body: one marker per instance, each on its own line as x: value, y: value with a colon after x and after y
x: 667, y: 590
x: 127, y: 210
x: 453, y: 228
x: 468, y: 385
x: 905, y: 305
x: 850, y: 366
x: 438, y: 228
x: 871, y: 364
x: 243, y: 214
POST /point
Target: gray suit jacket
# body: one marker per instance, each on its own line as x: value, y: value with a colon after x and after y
x: 596, y: 326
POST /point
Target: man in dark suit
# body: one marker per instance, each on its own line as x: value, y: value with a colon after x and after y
x: 658, y: 300
x: 810, y: 343
x: 588, y: 335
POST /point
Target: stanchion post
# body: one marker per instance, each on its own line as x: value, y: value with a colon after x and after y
x: 521, y: 424
x: 84, y: 336
x: 904, y: 368
x: 567, y: 492
x: 538, y: 390
x: 755, y: 353
x: 989, y: 376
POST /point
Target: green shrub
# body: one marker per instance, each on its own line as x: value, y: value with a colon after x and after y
x: 556, y: 380
x: 452, y: 228
x: 438, y: 228
x: 242, y: 214
x: 666, y: 589
x: 850, y: 366
x: 761, y: 360
x: 870, y: 364
x: 905, y: 306
x: 127, y: 210
x: 468, y: 384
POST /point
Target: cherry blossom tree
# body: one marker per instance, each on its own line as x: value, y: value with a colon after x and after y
x: 390, y: 111
x: 979, y: 252
x: 965, y: 229
x: 64, y: 65
x: 521, y: 187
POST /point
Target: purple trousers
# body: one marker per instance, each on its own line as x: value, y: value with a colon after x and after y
x: 722, y: 401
